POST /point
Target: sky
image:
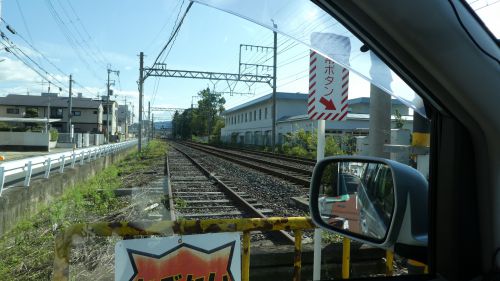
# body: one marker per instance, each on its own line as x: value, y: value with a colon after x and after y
x: 84, y: 38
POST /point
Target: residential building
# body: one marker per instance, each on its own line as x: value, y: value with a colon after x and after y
x: 123, y: 119
x: 86, y: 113
x: 113, y: 122
x: 250, y: 123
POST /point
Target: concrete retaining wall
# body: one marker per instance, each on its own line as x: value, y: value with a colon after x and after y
x: 19, y: 202
x: 24, y: 139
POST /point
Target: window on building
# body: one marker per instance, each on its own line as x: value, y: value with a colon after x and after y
x: 56, y: 113
x: 95, y: 111
x: 260, y: 113
x: 12, y: 110
x: 246, y: 118
x: 76, y: 113
x: 255, y: 115
x: 265, y: 113
x: 250, y: 116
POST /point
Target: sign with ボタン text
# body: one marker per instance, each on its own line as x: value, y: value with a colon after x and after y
x: 328, y: 89
x: 203, y: 257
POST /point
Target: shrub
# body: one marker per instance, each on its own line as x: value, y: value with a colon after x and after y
x: 54, y: 134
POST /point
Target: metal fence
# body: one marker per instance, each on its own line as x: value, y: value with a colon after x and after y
x: 17, y: 170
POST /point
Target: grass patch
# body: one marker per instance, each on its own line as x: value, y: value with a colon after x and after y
x: 27, y: 252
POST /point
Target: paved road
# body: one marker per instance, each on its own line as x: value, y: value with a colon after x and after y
x: 16, y: 155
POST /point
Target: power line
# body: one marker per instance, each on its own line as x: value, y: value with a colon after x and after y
x: 24, y: 20
x: 13, y: 51
x: 69, y: 37
x: 87, y: 33
x: 88, y: 49
x: 43, y: 56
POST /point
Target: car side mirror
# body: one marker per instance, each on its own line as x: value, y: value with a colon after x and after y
x: 373, y: 200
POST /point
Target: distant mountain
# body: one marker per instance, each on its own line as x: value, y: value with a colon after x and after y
x: 163, y: 124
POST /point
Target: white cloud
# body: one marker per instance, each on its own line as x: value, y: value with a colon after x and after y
x: 16, y: 71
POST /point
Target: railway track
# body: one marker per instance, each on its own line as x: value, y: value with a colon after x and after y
x: 195, y: 193
x: 282, y: 169
x: 300, y: 160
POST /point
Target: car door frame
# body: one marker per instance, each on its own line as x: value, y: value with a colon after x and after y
x: 460, y: 244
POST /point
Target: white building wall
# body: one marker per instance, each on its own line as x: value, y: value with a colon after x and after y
x: 253, y: 125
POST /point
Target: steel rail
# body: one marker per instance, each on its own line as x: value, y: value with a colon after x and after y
x: 238, y: 200
x: 263, y: 161
x: 300, y: 160
x: 284, y: 175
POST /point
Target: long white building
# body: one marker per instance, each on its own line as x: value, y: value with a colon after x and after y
x: 250, y: 123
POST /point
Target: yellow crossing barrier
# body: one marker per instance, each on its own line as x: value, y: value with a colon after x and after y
x: 76, y: 232
x: 167, y: 228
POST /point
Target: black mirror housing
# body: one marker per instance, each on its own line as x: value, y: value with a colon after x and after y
x: 408, y: 223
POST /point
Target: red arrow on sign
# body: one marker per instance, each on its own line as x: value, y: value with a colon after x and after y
x: 327, y: 103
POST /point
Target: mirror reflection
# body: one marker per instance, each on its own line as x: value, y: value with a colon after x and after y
x: 357, y: 197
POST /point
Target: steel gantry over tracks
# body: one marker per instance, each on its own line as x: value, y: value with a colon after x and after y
x: 247, y: 73
x: 160, y: 70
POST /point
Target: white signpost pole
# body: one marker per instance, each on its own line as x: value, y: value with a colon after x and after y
x: 320, y: 154
x: 328, y: 95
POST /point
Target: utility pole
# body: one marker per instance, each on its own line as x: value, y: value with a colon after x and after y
x: 380, y: 112
x: 126, y: 118
x: 273, y: 140
x: 108, y: 132
x: 48, y: 115
x: 132, y: 114
x: 152, y: 126
x: 70, y: 106
x: 141, y: 82
x: 149, y: 120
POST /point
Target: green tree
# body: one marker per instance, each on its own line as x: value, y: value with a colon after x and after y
x: 202, y: 121
x: 181, y: 124
x: 303, y: 144
x: 399, y: 120
x: 210, y: 106
x: 31, y: 113
x: 216, y: 133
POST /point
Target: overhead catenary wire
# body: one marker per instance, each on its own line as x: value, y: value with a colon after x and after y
x: 164, y: 25
x: 173, y: 35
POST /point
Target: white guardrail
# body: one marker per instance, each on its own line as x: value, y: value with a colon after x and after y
x: 24, y: 168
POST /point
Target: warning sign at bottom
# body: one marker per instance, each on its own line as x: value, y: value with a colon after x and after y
x: 206, y: 257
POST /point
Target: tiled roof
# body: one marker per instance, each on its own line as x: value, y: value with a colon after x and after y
x: 279, y: 95
x: 26, y: 100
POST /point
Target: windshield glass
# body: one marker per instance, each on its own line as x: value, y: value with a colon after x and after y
x: 325, y: 35
x: 165, y: 120
x: 487, y: 11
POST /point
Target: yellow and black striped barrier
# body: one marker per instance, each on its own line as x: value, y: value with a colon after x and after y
x: 76, y: 232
